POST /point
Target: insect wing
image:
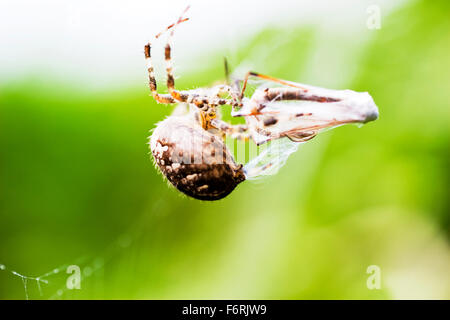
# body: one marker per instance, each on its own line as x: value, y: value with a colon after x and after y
x: 299, y: 112
x: 270, y: 160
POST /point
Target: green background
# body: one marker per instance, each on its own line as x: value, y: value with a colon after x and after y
x: 77, y: 185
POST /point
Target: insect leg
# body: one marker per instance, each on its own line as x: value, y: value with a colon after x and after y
x: 269, y: 78
x: 227, y: 71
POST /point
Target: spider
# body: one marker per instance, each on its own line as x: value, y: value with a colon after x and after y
x: 205, y: 169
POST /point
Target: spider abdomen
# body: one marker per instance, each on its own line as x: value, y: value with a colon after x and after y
x: 195, y: 161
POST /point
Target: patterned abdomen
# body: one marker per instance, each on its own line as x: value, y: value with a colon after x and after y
x: 194, y: 160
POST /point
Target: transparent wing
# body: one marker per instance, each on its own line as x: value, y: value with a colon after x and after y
x: 270, y: 160
x: 300, y: 111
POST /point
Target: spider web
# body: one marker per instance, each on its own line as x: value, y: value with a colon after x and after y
x: 54, y: 281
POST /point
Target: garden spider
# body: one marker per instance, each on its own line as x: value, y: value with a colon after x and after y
x: 205, y: 169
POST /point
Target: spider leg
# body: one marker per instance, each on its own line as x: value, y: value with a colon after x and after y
x: 161, y: 98
x: 181, y: 96
x: 239, y: 132
x: 243, y: 133
x: 269, y: 78
x: 171, y: 26
x: 177, y: 95
x: 259, y: 135
x: 218, y: 90
x: 201, y: 101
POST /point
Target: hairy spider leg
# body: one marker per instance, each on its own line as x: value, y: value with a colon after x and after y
x: 201, y: 101
x: 239, y: 132
x: 170, y: 27
x: 206, y: 104
x: 177, y: 95
x: 242, y: 132
x: 160, y: 98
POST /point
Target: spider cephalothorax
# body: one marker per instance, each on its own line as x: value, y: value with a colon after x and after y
x: 189, y: 149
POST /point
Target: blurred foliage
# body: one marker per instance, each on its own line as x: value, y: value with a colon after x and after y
x: 78, y: 187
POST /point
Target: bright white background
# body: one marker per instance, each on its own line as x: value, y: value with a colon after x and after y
x: 100, y: 43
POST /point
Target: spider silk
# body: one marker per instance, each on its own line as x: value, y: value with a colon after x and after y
x: 271, y: 159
